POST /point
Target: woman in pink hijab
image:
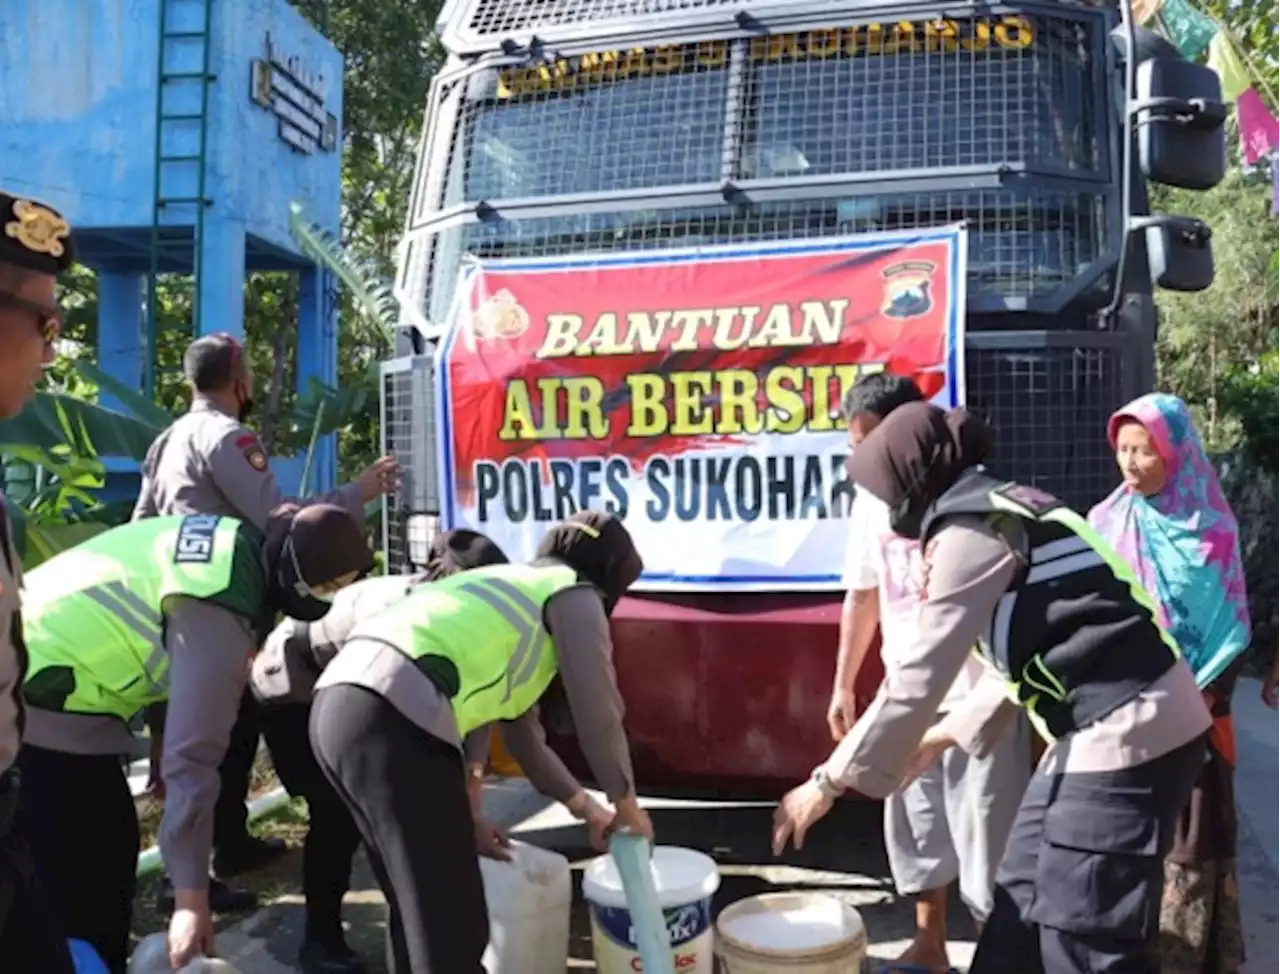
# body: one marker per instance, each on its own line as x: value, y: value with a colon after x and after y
x: 1170, y: 522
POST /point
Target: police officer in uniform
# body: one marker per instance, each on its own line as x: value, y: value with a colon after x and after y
x: 208, y: 462
x: 410, y: 683
x: 159, y: 609
x: 35, y: 244
x: 1062, y: 622
x: 283, y: 679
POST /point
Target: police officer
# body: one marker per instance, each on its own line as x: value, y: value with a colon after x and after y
x: 1063, y: 621
x: 208, y: 462
x: 35, y: 244
x: 410, y: 683
x: 164, y: 608
x: 283, y: 678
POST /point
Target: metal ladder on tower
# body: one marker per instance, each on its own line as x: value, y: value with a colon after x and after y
x: 188, y: 45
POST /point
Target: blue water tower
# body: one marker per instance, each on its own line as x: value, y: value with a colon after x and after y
x: 174, y: 135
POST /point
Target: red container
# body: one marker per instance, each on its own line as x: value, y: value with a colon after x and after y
x: 724, y: 692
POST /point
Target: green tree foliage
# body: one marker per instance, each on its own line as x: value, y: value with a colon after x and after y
x: 1217, y: 349
x: 390, y: 56
x: 52, y: 450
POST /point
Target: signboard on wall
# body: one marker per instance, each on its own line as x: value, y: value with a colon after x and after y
x: 282, y: 84
x: 694, y: 393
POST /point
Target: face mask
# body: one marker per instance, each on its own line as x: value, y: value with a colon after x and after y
x: 291, y: 594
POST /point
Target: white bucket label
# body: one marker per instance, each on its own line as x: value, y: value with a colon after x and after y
x: 688, y: 926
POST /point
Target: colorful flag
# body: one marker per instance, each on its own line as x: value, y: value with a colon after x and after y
x: 1189, y: 29
x: 1259, y: 129
x: 1224, y: 60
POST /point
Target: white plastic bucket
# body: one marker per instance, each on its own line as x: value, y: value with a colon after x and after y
x: 801, y: 933
x: 685, y: 881
x: 529, y: 900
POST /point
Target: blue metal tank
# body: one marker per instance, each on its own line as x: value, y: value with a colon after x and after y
x: 174, y: 134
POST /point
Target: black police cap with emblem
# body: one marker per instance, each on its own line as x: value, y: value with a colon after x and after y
x: 34, y: 236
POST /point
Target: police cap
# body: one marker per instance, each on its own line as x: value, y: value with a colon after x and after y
x: 34, y: 236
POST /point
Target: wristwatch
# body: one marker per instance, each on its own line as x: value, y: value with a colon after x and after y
x: 826, y: 784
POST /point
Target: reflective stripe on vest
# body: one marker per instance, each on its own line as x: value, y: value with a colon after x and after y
x: 94, y: 617
x: 479, y: 637
x: 1083, y: 550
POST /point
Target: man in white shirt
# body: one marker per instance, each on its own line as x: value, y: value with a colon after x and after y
x: 952, y: 822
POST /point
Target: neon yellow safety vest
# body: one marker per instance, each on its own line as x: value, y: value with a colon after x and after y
x: 94, y: 614
x: 479, y: 636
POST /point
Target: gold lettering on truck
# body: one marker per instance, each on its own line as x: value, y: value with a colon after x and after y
x: 1008, y: 33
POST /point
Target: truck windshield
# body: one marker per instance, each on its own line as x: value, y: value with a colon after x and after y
x: 929, y: 113
x: 655, y: 131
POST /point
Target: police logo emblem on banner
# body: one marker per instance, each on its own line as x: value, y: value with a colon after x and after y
x: 500, y: 316
x: 908, y: 289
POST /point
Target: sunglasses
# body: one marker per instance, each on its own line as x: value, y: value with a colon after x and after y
x: 48, y: 320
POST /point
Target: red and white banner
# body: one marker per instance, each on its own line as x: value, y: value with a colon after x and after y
x: 694, y: 393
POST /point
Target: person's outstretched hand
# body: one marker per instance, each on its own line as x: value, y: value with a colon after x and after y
x: 491, y: 841
x: 799, y: 809
x: 632, y: 817
x: 933, y: 745
x: 380, y: 477
x: 191, y: 934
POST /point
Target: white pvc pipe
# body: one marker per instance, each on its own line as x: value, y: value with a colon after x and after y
x: 149, y: 861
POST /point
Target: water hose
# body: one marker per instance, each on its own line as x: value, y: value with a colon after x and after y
x: 149, y: 861
x: 631, y: 854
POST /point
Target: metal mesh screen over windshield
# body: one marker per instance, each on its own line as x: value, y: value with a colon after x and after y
x: 902, y: 96
x: 1018, y: 244
x: 496, y: 19
x: 1049, y: 409
x: 898, y: 101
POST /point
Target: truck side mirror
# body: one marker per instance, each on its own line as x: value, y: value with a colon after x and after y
x: 1179, y: 251
x: 1179, y: 116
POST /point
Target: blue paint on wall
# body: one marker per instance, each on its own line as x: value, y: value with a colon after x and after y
x: 78, y: 113
x: 78, y: 123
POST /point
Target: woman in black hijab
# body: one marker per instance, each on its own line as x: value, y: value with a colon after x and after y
x: 416, y: 680
x: 283, y: 677
x: 1063, y: 624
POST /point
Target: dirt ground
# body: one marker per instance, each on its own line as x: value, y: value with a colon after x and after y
x: 843, y: 858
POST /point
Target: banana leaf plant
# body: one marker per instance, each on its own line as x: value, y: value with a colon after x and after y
x: 52, y: 452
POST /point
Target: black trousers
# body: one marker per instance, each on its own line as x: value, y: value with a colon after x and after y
x: 30, y: 937
x: 76, y: 813
x: 230, y: 816
x: 332, y: 837
x: 407, y: 792
x: 1078, y: 891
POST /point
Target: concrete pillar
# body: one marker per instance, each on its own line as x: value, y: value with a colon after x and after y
x: 221, y: 278
x: 318, y: 359
x: 122, y: 343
